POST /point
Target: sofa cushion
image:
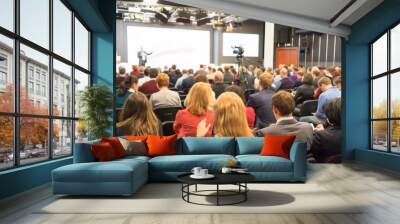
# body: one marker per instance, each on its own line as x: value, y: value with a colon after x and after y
x: 249, y: 145
x: 257, y: 163
x: 275, y: 145
x: 185, y: 163
x: 112, y: 171
x: 103, y: 152
x: 116, y: 145
x: 208, y: 145
x: 161, y: 145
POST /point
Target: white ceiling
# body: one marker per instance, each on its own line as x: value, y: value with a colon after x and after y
x: 314, y: 15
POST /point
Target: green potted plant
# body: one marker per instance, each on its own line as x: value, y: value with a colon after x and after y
x: 96, y: 110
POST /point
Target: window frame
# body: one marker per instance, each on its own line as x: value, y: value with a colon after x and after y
x: 15, y: 68
x: 388, y: 74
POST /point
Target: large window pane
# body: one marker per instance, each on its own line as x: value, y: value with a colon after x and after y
x: 379, y: 98
x: 6, y: 74
x: 6, y: 142
x: 34, y: 81
x: 35, y: 21
x: 7, y: 14
x: 81, y: 45
x: 395, y: 94
x: 62, y: 29
x: 395, y: 136
x: 33, y: 139
x: 395, y: 47
x: 81, y: 81
x: 62, y: 138
x: 379, y: 135
x: 379, y: 56
x: 62, y: 89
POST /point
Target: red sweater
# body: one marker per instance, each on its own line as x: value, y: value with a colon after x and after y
x: 186, y: 123
x: 251, y: 116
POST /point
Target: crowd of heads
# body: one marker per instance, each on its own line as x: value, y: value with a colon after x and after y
x: 237, y: 99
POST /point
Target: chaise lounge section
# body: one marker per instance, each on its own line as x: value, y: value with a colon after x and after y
x: 125, y: 176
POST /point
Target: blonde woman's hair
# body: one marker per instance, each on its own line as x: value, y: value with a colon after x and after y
x: 137, y: 115
x: 199, y: 98
x: 230, y: 116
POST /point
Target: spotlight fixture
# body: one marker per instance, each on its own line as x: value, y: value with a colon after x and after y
x: 183, y: 20
x: 161, y: 17
x: 203, y: 21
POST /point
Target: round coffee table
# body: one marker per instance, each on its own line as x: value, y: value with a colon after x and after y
x: 238, y: 179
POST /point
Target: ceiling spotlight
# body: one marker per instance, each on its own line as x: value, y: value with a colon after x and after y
x: 229, y: 27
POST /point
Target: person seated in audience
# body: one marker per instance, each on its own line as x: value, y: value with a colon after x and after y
x: 145, y: 78
x: 178, y: 83
x: 245, y: 79
x: 285, y: 83
x: 130, y: 85
x: 230, y: 116
x: 137, y: 117
x: 329, y: 93
x: 121, y: 75
x: 150, y: 86
x: 338, y: 82
x: 135, y: 71
x: 172, y: 75
x: 188, y: 82
x: 219, y: 86
x: 200, y: 76
x: 198, y: 103
x: 305, y: 91
x: 258, y: 72
x: 164, y: 97
x: 326, y: 144
x: 250, y: 113
x: 316, y: 73
x: 283, y: 106
x: 261, y: 102
x: 228, y: 77
x: 234, y: 73
x: 276, y: 83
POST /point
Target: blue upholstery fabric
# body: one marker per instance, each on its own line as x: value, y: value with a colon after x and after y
x: 298, y: 157
x: 249, y: 145
x: 208, y: 145
x: 83, y: 152
x: 185, y: 163
x: 125, y: 176
x: 257, y: 163
x: 119, y: 177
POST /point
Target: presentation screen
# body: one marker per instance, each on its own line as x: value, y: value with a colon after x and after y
x: 186, y: 48
x: 249, y: 42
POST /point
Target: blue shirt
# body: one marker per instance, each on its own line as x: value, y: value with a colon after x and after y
x: 330, y: 94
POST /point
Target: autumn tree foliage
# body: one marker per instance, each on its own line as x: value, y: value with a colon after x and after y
x: 380, y: 127
x: 33, y: 131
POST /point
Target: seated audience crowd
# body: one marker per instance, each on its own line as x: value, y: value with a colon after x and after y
x: 219, y: 101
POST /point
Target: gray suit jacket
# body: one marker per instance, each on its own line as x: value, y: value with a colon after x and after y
x: 302, y: 130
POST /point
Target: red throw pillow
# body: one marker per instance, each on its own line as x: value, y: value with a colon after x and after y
x: 116, y: 145
x: 103, y: 152
x: 161, y: 145
x: 277, y: 145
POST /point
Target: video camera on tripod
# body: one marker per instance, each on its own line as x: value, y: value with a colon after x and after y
x: 239, y: 52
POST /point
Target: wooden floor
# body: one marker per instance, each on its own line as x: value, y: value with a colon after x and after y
x: 378, y: 189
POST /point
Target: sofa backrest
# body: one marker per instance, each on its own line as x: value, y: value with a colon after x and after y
x: 249, y: 145
x: 208, y: 145
x: 83, y: 152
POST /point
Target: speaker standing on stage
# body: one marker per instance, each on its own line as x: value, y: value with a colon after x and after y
x: 142, y: 55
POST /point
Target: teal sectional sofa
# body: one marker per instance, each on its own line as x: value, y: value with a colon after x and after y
x: 125, y: 176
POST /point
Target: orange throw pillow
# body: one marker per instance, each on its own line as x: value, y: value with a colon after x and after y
x: 116, y: 145
x: 161, y: 145
x: 103, y: 152
x: 277, y: 145
x: 135, y: 138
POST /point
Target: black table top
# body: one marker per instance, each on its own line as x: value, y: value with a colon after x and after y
x: 220, y: 178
